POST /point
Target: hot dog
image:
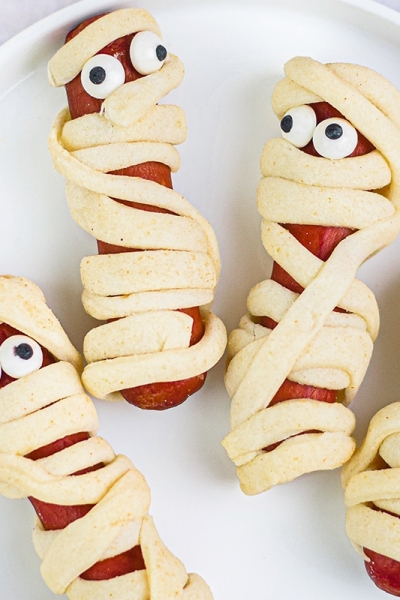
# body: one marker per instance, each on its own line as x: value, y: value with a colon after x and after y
x: 320, y: 241
x: 158, y: 263
x: 300, y: 354
x: 370, y: 480
x: 93, y: 531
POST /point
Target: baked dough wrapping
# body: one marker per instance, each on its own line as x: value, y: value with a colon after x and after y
x: 176, y: 263
x: 47, y: 405
x: 371, y: 480
x: 313, y: 344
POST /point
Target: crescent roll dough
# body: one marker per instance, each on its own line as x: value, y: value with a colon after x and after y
x: 47, y: 405
x: 312, y: 344
x: 371, y: 480
x: 178, y: 263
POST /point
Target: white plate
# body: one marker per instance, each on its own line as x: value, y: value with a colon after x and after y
x: 289, y: 542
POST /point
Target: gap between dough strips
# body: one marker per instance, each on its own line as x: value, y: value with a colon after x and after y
x: 42, y: 407
x: 322, y: 337
x: 154, y: 266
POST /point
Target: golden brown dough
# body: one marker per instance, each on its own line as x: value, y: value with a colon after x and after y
x: 45, y: 406
x: 371, y: 480
x: 178, y: 263
x: 311, y: 344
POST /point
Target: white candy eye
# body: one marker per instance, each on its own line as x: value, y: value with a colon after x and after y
x: 298, y: 124
x: 147, y: 52
x: 20, y: 355
x: 335, y: 138
x: 102, y: 75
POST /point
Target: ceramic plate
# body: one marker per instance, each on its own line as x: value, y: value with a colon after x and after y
x: 286, y: 543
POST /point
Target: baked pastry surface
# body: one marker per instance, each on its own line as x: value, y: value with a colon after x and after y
x: 371, y: 482
x: 174, y: 263
x: 313, y: 344
x: 45, y: 406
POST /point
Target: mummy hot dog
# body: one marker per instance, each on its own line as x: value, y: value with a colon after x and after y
x: 372, y: 495
x: 300, y: 354
x: 158, y: 261
x: 93, y: 531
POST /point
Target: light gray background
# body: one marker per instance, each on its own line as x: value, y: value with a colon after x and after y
x: 16, y: 15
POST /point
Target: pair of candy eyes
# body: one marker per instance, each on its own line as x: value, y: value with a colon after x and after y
x: 19, y: 356
x: 103, y: 74
x: 332, y: 138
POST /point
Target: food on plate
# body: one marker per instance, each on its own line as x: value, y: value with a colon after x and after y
x: 154, y: 277
x: 329, y: 199
x: 93, y: 531
x: 372, y: 496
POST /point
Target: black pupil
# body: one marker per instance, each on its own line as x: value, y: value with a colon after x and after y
x: 334, y: 131
x: 287, y: 123
x: 161, y: 53
x: 97, y: 75
x: 24, y: 351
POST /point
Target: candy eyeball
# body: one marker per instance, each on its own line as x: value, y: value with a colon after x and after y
x: 102, y: 75
x: 335, y: 138
x: 20, y: 355
x: 147, y: 52
x: 298, y: 124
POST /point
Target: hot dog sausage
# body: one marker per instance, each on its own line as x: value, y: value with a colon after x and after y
x: 320, y: 241
x: 93, y: 533
x: 306, y: 337
x: 369, y: 481
x: 174, y: 289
